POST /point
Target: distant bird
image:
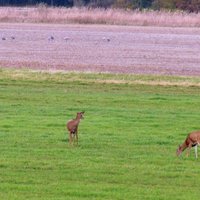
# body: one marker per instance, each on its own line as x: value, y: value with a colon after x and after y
x: 12, y: 37
x: 50, y: 38
x: 106, y: 39
x: 3, y: 38
x: 66, y: 38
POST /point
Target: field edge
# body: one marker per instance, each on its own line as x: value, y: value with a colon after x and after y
x: 62, y: 76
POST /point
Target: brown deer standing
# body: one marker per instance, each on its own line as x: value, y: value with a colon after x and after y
x: 192, y: 140
x: 72, y: 126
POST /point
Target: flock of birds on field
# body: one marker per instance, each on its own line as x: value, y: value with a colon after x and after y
x: 4, y: 38
x: 51, y: 38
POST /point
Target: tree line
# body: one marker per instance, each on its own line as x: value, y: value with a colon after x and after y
x: 188, y: 5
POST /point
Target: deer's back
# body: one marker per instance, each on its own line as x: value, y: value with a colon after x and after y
x: 193, y: 137
x: 72, y: 125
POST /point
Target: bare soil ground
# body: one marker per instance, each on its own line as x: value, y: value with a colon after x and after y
x: 96, y: 48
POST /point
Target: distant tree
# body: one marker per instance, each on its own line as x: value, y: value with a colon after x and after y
x: 101, y: 3
x: 163, y: 4
x: 145, y: 3
x: 195, y: 5
x: 188, y: 5
x: 133, y: 4
x: 35, y: 2
x: 67, y: 3
x: 78, y: 3
x: 191, y: 5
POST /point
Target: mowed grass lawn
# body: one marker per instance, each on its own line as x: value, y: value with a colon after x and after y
x: 127, y: 141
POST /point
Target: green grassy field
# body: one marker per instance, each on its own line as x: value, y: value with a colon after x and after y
x: 127, y: 141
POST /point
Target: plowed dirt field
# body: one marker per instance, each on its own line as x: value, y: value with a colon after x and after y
x: 99, y: 48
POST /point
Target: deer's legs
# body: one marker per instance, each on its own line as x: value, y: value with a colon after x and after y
x: 195, y: 148
x: 77, y: 137
x: 189, y: 148
x: 70, y: 138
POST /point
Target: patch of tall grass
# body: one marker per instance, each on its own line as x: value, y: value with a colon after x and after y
x: 101, y: 78
x: 44, y: 14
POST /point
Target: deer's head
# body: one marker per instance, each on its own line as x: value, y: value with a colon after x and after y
x: 80, y: 115
x: 179, y: 150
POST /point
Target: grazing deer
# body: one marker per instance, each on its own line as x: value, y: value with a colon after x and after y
x: 192, y: 140
x: 72, y: 126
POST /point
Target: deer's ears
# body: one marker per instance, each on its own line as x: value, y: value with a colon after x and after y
x: 81, y: 112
